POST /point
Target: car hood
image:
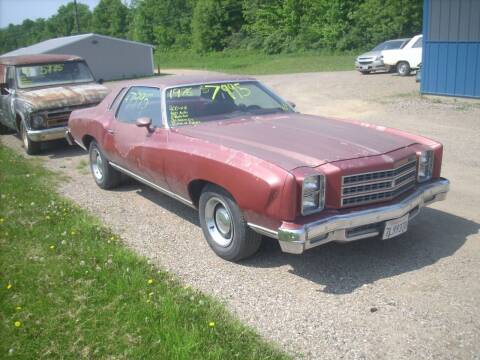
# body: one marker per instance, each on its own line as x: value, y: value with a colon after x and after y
x: 296, y: 140
x: 370, y: 54
x: 62, y: 96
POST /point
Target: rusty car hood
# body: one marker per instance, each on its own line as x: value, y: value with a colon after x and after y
x: 295, y: 140
x: 63, y: 96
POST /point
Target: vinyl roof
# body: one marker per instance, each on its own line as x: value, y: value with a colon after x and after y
x: 53, y: 44
x: 36, y: 59
x: 179, y: 80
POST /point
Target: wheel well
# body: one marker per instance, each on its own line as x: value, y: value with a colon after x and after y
x: 87, y: 139
x: 195, y: 190
x: 18, y: 120
x: 196, y: 187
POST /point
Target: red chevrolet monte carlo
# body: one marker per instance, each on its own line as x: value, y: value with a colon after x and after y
x: 253, y: 166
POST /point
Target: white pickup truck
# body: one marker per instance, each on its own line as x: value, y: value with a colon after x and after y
x: 405, y: 59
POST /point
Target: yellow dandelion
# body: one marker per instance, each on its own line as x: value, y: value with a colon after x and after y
x: 73, y: 232
x: 2, y: 220
x: 18, y: 324
x: 52, y: 247
x: 211, y: 324
x: 112, y: 238
x: 150, y: 281
x: 18, y: 308
x: 9, y: 286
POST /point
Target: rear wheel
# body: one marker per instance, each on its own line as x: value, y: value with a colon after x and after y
x: 31, y: 147
x: 224, y: 226
x: 103, y: 173
x: 403, y: 68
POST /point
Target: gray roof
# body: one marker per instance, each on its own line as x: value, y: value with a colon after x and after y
x: 53, y: 44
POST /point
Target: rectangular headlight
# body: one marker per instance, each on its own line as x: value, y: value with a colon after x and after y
x: 313, y: 194
x: 425, y: 166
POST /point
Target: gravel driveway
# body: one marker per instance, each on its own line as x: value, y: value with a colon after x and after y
x: 412, y: 297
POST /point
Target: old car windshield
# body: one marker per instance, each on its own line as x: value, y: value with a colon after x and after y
x: 191, y: 105
x: 389, y: 45
x: 53, y: 74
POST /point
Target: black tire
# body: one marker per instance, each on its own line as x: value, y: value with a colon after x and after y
x: 103, y: 173
x: 31, y: 147
x: 244, y: 241
x: 403, y: 68
x: 365, y: 72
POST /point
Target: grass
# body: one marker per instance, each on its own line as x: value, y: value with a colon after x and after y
x: 71, y: 289
x: 255, y: 62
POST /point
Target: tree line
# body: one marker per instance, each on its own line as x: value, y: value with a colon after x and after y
x: 271, y: 26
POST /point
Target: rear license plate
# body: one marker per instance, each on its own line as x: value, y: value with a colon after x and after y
x: 395, y: 227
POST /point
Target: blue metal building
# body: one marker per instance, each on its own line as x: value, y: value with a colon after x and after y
x: 451, y: 48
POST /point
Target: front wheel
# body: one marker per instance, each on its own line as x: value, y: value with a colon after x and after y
x: 31, y: 147
x: 224, y: 226
x: 103, y: 173
x: 403, y: 68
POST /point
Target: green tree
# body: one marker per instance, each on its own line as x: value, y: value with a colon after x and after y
x: 214, y: 22
x: 110, y: 18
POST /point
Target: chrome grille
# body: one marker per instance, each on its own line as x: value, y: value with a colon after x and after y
x: 365, y: 188
x: 57, y: 118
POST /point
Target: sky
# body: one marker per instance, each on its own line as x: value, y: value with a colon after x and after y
x: 15, y: 11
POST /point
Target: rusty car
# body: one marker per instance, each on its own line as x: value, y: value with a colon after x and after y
x: 38, y: 93
x: 253, y: 166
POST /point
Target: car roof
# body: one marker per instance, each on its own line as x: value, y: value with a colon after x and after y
x: 37, y: 59
x: 182, y: 80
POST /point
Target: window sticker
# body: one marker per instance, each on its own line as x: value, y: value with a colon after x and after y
x: 51, y: 68
x: 179, y: 116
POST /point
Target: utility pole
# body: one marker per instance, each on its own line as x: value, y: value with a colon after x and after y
x: 76, y: 16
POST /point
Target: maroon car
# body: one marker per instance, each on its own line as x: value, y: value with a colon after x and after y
x: 252, y: 166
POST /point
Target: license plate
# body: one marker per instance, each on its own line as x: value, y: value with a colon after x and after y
x: 395, y: 227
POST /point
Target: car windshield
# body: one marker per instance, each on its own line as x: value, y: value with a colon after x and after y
x: 53, y: 74
x: 191, y: 105
x: 389, y: 45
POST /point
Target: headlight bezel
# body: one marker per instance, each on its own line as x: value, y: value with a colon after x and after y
x: 313, y: 187
x: 37, y: 121
x: 425, y: 164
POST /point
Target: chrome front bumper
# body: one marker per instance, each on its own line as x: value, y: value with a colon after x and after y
x: 347, y: 227
x: 47, y: 134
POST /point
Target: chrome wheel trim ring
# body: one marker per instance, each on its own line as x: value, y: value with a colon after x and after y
x: 403, y: 68
x: 218, y: 219
x: 96, y: 162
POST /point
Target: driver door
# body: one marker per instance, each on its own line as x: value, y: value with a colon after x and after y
x: 128, y: 140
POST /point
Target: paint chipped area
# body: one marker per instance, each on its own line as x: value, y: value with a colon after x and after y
x: 63, y: 96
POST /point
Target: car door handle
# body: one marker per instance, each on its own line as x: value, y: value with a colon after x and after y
x: 111, y: 131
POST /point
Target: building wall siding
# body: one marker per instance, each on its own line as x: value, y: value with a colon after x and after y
x: 111, y: 59
x: 451, y: 48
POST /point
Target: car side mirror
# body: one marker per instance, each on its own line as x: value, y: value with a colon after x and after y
x: 144, y: 122
x: 100, y: 81
x: 292, y: 104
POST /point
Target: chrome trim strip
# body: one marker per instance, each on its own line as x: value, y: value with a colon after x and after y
x: 334, y: 228
x: 152, y: 185
x: 79, y: 143
x: 263, y: 230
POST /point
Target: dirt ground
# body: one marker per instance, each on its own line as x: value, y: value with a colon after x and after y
x: 413, y: 297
